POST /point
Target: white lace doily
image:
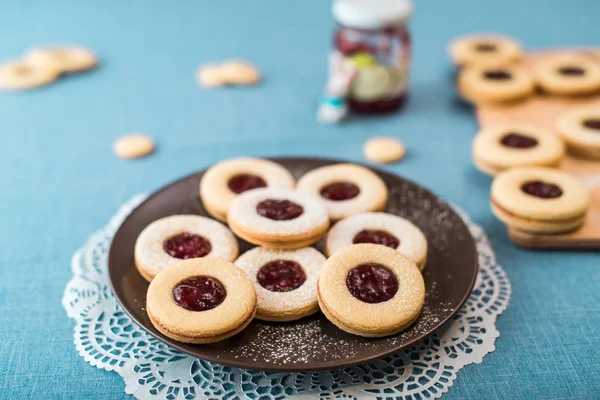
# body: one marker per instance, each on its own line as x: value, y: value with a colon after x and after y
x: 107, y: 338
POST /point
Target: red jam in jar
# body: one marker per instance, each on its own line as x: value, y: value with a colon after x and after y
x: 373, y: 37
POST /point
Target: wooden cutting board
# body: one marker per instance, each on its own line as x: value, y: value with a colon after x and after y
x: 542, y: 110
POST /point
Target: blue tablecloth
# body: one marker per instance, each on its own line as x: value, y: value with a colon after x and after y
x: 59, y: 180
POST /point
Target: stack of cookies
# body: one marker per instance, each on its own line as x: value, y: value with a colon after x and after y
x: 492, y: 69
x: 43, y: 65
x: 202, y: 291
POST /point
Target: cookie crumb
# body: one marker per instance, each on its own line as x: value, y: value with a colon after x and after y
x: 384, y: 150
x: 133, y: 145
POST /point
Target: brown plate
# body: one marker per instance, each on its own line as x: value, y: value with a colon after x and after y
x: 312, y: 343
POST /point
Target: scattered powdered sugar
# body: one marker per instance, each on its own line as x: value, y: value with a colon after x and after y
x: 314, y: 339
x: 413, y: 243
x: 149, y: 251
x: 243, y: 212
x: 304, y: 296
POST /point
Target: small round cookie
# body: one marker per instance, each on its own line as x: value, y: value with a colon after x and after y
x: 238, y: 72
x: 370, y: 290
x: 483, y: 83
x: 222, y: 182
x: 539, y: 200
x: 384, y: 150
x: 580, y: 128
x: 345, y: 189
x: 500, y: 147
x: 19, y: 75
x: 488, y: 49
x: 567, y: 74
x: 67, y: 58
x: 201, y: 301
x: 133, y: 145
x: 285, y: 281
x: 278, y: 218
x: 379, y: 228
x: 169, y: 240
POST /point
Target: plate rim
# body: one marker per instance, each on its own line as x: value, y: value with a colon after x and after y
x: 334, y: 364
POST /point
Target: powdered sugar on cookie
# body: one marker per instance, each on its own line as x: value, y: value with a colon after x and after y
x: 288, y: 305
x: 150, y: 254
x: 413, y: 243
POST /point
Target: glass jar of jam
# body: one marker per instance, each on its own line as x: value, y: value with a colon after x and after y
x: 372, y: 36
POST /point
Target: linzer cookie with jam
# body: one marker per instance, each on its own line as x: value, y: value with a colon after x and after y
x: 580, y: 128
x: 481, y: 83
x: 222, y: 182
x: 169, y: 240
x: 501, y: 147
x: 379, y: 228
x: 567, y: 74
x: 345, y: 189
x: 285, y: 281
x: 370, y: 290
x: 278, y: 218
x: 539, y: 200
x: 201, y: 301
x: 484, y: 49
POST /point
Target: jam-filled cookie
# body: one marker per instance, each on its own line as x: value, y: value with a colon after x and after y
x: 19, y: 75
x: 285, y: 281
x: 169, y: 240
x: 539, y: 200
x: 484, y: 83
x: 345, y: 189
x: 488, y: 49
x: 68, y: 58
x: 379, y: 228
x: 580, y: 128
x: 567, y: 74
x: 370, y: 290
x: 278, y: 218
x: 515, y: 145
x: 222, y: 182
x: 201, y: 301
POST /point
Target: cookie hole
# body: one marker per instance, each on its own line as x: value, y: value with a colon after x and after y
x: 281, y: 276
x: 279, y: 210
x: 187, y: 245
x: 518, y: 141
x: 592, y: 123
x: 199, y: 293
x: 372, y: 283
x: 339, y: 191
x: 377, y: 237
x: 243, y: 182
x: 571, y: 71
x: 543, y: 190
x: 497, y: 75
x: 486, y: 47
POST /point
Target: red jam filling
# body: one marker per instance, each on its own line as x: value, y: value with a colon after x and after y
x: 486, y: 47
x: 244, y: 182
x: 541, y: 189
x: 279, y: 210
x: 199, y: 293
x: 592, y: 123
x: 497, y: 75
x: 571, y: 71
x: 372, y: 283
x: 518, y: 141
x: 378, y: 237
x: 339, y: 191
x: 281, y: 276
x: 187, y: 245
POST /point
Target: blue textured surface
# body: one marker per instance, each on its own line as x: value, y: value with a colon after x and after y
x: 60, y: 181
